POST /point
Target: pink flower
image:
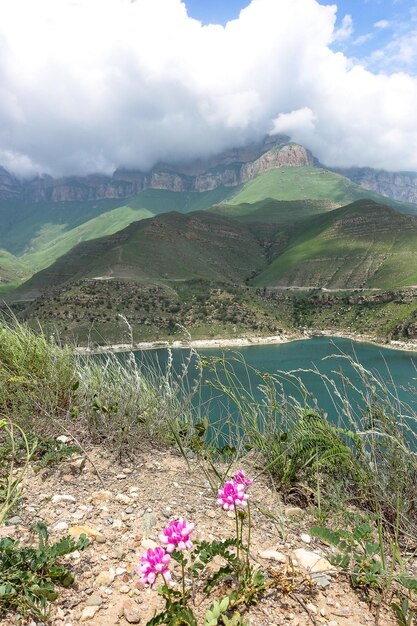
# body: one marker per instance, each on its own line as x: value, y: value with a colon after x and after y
x: 152, y: 563
x: 176, y: 536
x: 232, y: 494
x: 240, y: 477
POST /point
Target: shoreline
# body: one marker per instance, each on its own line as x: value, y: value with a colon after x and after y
x: 244, y: 342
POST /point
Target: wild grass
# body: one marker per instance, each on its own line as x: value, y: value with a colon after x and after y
x: 364, y: 453
x: 112, y: 400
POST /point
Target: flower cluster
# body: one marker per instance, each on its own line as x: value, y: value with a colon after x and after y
x: 233, y: 493
x: 176, y: 536
x: 153, y: 562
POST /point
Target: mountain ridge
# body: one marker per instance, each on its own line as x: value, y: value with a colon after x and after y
x: 228, y: 169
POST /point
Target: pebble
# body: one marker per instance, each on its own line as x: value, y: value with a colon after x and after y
x: 101, y: 496
x: 148, y: 522
x: 60, y: 526
x: 131, y: 612
x: 78, y: 515
x: 121, y: 476
x: 122, y: 498
x: 273, y: 555
x: 120, y: 570
x: 312, y: 561
x: 94, y: 600
x: 294, y: 511
x: 321, y: 580
x: 305, y: 538
x: 14, y: 521
x: 211, y: 514
x: 63, y: 438
x: 105, y: 578
x: 129, y: 510
x: 62, y: 498
x: 88, y: 613
x: 124, y: 589
x: 117, y: 524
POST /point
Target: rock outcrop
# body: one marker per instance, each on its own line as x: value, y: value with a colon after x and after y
x: 396, y: 185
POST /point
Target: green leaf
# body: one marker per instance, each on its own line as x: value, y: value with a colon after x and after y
x: 326, y: 535
x: 362, y: 532
x: 224, y: 604
x: 408, y: 582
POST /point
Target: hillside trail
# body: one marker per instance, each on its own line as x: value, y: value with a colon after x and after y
x: 126, y: 517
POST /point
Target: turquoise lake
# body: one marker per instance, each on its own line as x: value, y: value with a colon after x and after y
x: 398, y: 369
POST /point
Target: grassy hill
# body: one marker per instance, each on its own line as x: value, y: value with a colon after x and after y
x: 362, y: 244
x: 270, y: 211
x: 308, y: 183
x: 171, y: 247
x: 40, y: 234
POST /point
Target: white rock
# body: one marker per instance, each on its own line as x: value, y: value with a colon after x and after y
x: 305, y: 538
x: 117, y: 524
x: 89, y: 612
x: 105, y: 578
x: 60, y: 526
x: 101, y: 496
x: 123, y: 499
x: 62, y: 498
x: 312, y: 561
x: 63, y: 439
x: 120, y: 570
x: 273, y: 555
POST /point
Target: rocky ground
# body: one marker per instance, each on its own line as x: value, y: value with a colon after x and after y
x: 124, y: 514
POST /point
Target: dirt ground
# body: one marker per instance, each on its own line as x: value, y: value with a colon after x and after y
x: 124, y: 513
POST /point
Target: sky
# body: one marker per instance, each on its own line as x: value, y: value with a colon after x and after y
x: 91, y: 85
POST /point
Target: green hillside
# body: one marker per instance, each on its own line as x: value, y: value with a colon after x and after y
x: 280, y: 212
x: 363, y: 244
x: 170, y: 247
x: 309, y: 183
x: 11, y: 269
x: 39, y: 234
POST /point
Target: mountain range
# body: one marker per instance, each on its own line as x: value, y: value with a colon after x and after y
x: 215, y: 236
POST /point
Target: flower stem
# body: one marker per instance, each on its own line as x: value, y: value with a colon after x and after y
x: 237, y: 533
x: 183, y: 583
x: 249, y: 537
x: 167, y: 586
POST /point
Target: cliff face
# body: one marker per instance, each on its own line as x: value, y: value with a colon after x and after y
x: 396, y: 185
x: 9, y: 185
x: 228, y: 169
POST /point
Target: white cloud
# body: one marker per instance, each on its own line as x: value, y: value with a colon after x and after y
x: 88, y: 85
x: 345, y: 31
x: 299, y: 124
x: 382, y: 24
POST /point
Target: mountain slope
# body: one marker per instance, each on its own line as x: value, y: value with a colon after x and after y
x: 309, y: 183
x: 364, y: 244
x: 170, y: 247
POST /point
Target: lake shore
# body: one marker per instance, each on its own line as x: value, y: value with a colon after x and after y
x: 242, y: 342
